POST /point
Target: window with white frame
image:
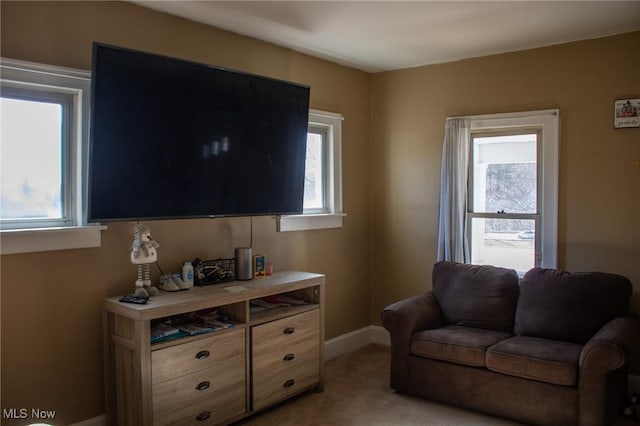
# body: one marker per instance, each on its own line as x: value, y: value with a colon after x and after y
x: 35, y: 152
x: 323, y: 176
x: 315, y: 199
x: 512, y: 195
x: 44, y: 113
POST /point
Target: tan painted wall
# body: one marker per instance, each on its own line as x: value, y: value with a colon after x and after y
x: 393, y: 129
x: 599, y: 201
x: 51, y: 302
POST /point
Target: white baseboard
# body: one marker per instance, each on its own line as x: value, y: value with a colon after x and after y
x: 355, y: 340
x: 380, y: 335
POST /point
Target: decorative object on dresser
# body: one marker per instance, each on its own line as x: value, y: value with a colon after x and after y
x: 259, y: 265
x: 143, y: 253
x: 243, y: 263
x: 260, y: 358
x: 215, y: 271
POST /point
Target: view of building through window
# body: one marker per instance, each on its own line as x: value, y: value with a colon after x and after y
x: 504, y: 200
x: 31, y: 160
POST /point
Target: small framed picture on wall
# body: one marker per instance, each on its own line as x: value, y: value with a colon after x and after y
x: 259, y: 265
x: 627, y: 113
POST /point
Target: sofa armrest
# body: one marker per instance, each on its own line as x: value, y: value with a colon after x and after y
x: 611, y: 346
x: 603, y: 361
x: 402, y: 319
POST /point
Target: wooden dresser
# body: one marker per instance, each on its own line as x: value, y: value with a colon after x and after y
x: 218, y: 377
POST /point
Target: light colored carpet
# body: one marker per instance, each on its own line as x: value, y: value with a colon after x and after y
x: 357, y: 393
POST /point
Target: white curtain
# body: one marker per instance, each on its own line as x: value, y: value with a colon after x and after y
x: 452, y: 239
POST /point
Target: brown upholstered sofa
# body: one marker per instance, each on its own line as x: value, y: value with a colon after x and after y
x: 550, y: 349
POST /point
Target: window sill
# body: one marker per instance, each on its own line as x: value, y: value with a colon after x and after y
x: 14, y: 241
x: 307, y: 222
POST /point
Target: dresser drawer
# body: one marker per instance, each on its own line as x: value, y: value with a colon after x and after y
x: 228, y: 376
x: 285, y: 332
x: 274, y: 382
x: 207, y: 353
x: 226, y: 405
x: 280, y: 358
x: 285, y: 357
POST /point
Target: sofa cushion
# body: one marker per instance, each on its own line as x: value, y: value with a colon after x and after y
x: 462, y: 345
x: 480, y: 296
x: 544, y: 360
x: 570, y: 307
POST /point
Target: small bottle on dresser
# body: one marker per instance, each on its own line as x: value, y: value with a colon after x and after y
x: 187, y: 273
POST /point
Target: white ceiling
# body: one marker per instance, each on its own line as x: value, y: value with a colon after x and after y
x: 384, y: 35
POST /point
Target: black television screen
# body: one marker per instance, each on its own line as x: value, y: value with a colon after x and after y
x: 177, y: 139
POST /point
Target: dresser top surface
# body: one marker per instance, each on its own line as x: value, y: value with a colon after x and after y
x: 167, y: 303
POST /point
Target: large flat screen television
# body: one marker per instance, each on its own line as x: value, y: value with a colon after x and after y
x: 176, y: 139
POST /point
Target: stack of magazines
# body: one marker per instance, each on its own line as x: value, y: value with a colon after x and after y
x: 275, y: 301
x: 164, y: 331
x: 191, y: 324
x: 213, y: 320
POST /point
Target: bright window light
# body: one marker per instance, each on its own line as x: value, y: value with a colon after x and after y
x: 31, y: 159
x: 314, y: 176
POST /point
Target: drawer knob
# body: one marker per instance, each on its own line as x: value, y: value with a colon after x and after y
x: 289, y: 357
x: 289, y: 383
x: 203, y: 385
x: 289, y: 330
x: 203, y: 416
x: 203, y: 354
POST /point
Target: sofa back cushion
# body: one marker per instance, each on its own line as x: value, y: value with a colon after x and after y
x: 567, y: 306
x: 478, y: 296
